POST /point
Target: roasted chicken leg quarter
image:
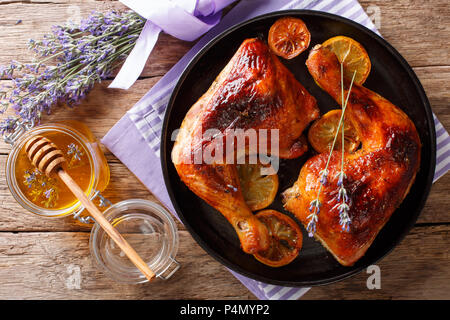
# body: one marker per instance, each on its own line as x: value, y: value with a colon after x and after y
x: 378, y: 176
x: 254, y: 91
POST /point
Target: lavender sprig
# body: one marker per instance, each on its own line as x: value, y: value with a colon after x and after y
x: 72, y: 59
x: 343, y: 207
x: 315, y: 204
x: 313, y: 218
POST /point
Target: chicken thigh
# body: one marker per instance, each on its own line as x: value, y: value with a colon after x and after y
x: 378, y: 176
x: 254, y: 91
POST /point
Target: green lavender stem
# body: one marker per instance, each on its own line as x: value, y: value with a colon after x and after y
x: 316, y: 204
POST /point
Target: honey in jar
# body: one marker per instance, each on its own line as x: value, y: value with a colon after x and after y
x: 49, y: 192
x: 85, y: 163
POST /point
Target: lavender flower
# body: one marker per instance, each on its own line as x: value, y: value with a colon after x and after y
x: 75, y: 151
x: 78, y: 56
x: 342, y: 194
x: 323, y: 176
x: 344, y: 219
x: 341, y: 176
x: 8, y: 125
x: 41, y: 188
x: 343, y: 207
x: 313, y: 218
x: 30, y: 178
x: 48, y: 193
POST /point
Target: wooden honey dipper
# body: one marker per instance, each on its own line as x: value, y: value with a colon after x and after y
x: 46, y: 156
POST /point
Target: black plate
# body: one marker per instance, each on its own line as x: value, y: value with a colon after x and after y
x: 391, y: 76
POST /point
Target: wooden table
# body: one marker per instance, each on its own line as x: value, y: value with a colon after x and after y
x: 40, y: 258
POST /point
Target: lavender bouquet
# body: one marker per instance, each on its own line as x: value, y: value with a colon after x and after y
x: 69, y: 62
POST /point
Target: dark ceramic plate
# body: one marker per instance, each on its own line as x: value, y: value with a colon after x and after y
x: 391, y: 76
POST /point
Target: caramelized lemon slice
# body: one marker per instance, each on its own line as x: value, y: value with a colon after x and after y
x: 288, y: 37
x: 259, y: 190
x: 285, y: 239
x: 353, y: 56
x: 322, y: 132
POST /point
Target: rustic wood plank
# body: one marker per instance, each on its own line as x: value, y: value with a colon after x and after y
x: 411, y: 27
x: 416, y: 269
x: 36, y: 266
x: 435, y: 81
x: 437, y: 207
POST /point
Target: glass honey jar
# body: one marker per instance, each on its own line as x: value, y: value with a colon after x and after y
x: 147, y: 226
x: 49, y: 197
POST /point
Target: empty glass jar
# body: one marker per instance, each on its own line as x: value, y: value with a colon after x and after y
x: 149, y: 229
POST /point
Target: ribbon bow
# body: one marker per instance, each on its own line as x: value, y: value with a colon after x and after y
x: 184, y: 19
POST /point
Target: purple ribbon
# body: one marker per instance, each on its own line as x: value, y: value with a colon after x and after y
x: 183, y: 19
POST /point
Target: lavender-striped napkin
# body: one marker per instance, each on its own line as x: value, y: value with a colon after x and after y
x: 135, y: 139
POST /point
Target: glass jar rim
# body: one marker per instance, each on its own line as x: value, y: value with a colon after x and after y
x: 161, y: 265
x: 12, y: 180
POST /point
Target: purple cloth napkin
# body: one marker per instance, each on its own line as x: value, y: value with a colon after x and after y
x: 135, y: 139
x: 184, y: 19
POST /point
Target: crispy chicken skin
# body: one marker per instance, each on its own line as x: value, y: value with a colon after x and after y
x: 254, y: 91
x: 379, y: 175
